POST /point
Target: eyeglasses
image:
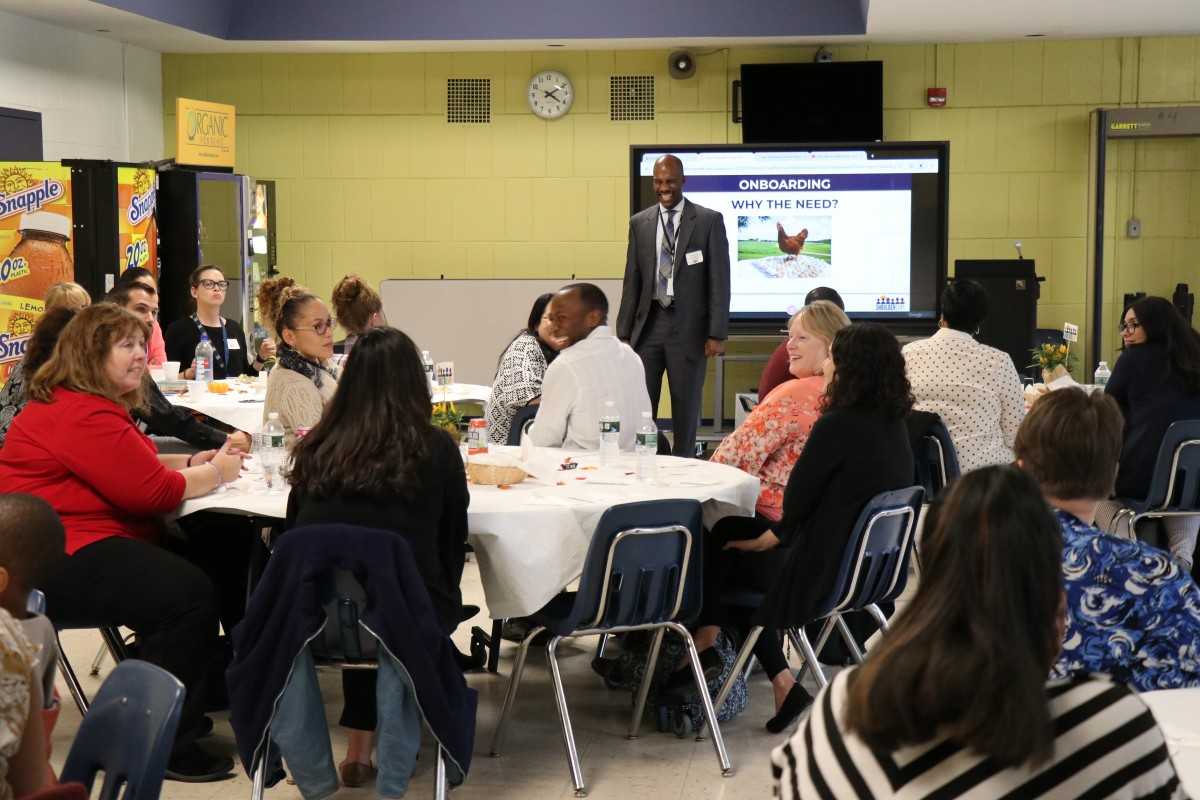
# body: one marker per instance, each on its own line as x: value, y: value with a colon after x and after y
x: 211, y: 284
x: 1130, y: 326
x: 320, y: 328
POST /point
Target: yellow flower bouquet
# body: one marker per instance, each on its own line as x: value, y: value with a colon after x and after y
x: 445, y: 415
x: 1055, y: 361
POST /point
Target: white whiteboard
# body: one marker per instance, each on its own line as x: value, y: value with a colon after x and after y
x: 470, y: 322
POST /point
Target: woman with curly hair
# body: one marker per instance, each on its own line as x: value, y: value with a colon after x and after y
x: 857, y: 449
x: 359, y: 308
x: 304, y: 378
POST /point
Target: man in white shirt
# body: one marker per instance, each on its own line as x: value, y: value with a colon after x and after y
x: 592, y: 368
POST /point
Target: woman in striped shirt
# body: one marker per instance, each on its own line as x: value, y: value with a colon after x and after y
x: 955, y: 701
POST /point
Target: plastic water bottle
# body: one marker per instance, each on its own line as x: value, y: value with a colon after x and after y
x: 646, y: 448
x: 610, y: 435
x: 428, y: 362
x: 204, y: 359
x: 1102, y: 374
x: 272, y: 454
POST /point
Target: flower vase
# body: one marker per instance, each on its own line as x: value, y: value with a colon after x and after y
x: 1049, y: 376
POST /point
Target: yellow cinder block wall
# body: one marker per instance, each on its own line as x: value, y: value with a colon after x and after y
x: 372, y: 179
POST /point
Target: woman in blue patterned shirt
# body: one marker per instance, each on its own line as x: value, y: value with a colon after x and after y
x: 1132, y: 611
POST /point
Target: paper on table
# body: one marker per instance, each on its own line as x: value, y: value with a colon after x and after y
x: 543, y: 500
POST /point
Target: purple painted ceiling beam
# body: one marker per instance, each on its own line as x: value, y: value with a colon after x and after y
x: 487, y: 20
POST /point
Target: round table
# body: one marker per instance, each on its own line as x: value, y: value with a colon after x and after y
x: 531, y: 539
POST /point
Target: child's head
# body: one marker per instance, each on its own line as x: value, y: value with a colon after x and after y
x: 32, y: 541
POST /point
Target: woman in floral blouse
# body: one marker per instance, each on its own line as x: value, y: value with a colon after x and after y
x: 518, y: 381
x: 1132, y: 612
x: 769, y: 441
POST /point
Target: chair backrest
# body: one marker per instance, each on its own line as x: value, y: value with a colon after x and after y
x: 344, y: 641
x: 874, y: 566
x: 519, y: 420
x: 935, y: 463
x: 127, y: 733
x: 643, y: 566
x: 1175, y: 484
x: 36, y: 604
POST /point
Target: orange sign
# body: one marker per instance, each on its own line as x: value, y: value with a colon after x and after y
x: 35, y: 248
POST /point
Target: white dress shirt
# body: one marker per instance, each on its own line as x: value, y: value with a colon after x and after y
x: 578, y: 383
x: 974, y: 389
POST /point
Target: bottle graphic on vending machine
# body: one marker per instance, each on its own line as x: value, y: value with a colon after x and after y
x: 40, y: 258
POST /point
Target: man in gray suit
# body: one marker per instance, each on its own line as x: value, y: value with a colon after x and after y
x: 675, y: 299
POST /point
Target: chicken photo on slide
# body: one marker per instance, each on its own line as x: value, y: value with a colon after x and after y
x: 792, y: 245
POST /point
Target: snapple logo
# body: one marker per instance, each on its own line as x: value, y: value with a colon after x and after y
x: 12, y: 347
x: 29, y: 199
x: 141, y: 207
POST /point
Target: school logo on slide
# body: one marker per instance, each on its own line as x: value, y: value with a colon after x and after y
x: 891, y: 303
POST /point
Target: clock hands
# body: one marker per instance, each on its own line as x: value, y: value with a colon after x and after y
x: 552, y: 92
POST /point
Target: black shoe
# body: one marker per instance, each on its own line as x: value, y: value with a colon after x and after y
x: 682, y: 679
x: 194, y: 764
x: 793, y: 706
x: 206, y: 725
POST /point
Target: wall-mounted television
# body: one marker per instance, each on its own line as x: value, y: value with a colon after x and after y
x: 835, y: 102
x: 868, y: 219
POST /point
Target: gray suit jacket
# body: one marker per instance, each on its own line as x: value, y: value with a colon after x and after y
x: 701, y: 289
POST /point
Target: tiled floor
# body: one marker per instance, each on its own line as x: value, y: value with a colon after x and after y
x: 534, y: 765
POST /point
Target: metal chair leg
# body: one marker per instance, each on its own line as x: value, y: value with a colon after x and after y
x: 73, y: 685
x: 439, y: 778
x: 98, y: 661
x: 709, y: 712
x: 741, y: 664
x: 880, y: 620
x: 564, y: 717
x: 635, y: 724
x: 800, y: 640
x: 510, y: 695
x: 259, y: 776
x: 848, y: 638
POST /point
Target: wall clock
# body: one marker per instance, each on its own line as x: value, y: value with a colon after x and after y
x: 550, y: 94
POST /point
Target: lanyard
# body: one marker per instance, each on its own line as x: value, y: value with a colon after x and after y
x: 221, y: 356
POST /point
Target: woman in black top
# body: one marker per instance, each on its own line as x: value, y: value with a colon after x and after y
x: 230, y: 357
x: 375, y: 460
x: 1156, y: 382
x: 857, y: 449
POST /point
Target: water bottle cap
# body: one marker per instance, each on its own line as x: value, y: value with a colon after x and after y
x: 1104, y: 363
x: 204, y: 336
x: 609, y: 404
x: 645, y: 415
x: 273, y: 415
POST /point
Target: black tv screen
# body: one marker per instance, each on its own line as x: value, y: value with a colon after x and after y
x: 869, y: 220
x: 837, y: 102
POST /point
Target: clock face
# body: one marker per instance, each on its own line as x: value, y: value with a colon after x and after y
x: 550, y: 94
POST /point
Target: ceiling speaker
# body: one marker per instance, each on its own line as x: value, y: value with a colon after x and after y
x: 681, y: 65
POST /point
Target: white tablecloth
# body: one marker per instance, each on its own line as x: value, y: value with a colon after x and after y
x: 243, y: 409
x: 531, y: 539
x: 1177, y: 712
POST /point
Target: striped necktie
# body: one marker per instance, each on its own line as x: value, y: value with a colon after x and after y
x: 666, y: 258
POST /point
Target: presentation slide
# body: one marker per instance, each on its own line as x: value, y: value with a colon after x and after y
x: 797, y: 220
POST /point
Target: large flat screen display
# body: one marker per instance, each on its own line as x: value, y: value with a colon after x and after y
x: 869, y: 220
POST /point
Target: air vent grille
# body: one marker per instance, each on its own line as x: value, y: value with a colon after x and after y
x: 632, y: 98
x: 469, y: 100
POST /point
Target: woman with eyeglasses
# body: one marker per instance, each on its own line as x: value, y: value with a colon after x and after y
x: 230, y: 357
x: 304, y: 378
x: 1156, y: 382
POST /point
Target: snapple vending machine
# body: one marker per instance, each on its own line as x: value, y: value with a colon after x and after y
x: 36, y: 248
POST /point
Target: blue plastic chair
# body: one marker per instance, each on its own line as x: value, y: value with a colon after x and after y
x: 935, y: 461
x: 873, y: 570
x: 127, y: 733
x: 1175, y: 484
x: 112, y: 641
x: 519, y: 421
x: 642, y: 572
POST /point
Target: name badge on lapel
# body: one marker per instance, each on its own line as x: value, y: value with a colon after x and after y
x: 695, y: 257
